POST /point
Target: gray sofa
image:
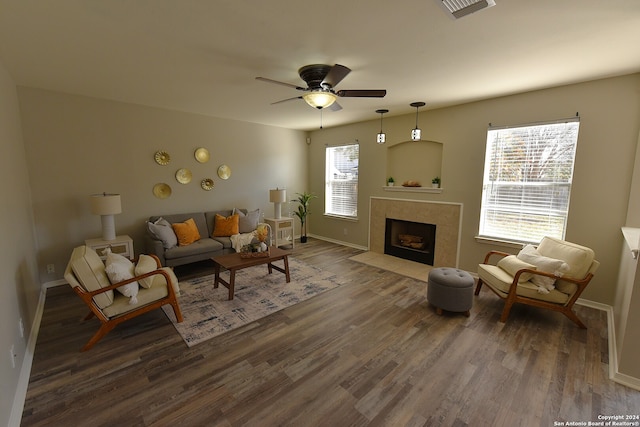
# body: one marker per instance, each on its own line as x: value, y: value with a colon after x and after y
x: 202, y: 249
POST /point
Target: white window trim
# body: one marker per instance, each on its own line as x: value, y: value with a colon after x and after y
x: 328, y: 182
x: 501, y: 204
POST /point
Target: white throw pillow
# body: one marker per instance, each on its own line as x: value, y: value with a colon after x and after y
x: 511, y: 264
x: 119, y: 268
x: 162, y: 230
x: 549, y: 265
x: 146, y: 264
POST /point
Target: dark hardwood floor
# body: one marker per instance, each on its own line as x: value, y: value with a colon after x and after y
x: 369, y: 353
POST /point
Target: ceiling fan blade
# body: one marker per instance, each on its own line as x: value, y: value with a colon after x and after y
x: 264, y: 79
x: 335, y: 107
x: 335, y: 75
x: 285, y: 100
x: 364, y: 93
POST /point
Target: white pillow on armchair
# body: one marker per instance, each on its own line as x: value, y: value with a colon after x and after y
x: 119, y: 268
x: 554, y: 266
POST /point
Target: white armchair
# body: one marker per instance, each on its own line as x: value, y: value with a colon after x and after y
x: 86, y: 274
x: 528, y: 279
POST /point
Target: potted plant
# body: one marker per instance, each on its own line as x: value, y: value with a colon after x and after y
x: 435, y: 182
x: 390, y: 181
x: 302, y: 212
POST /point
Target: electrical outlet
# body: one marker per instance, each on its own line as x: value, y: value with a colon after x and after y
x: 13, y: 356
x: 21, y: 327
x: 51, y: 268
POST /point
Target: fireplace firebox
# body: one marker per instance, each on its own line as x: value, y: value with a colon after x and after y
x: 413, y: 241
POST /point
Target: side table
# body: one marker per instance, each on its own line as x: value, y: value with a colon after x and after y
x: 122, y: 245
x: 281, y: 228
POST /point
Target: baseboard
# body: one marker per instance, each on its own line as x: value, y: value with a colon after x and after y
x: 614, y: 374
x: 339, y: 242
x: 25, y: 371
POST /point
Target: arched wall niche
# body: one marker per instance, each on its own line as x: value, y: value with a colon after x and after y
x: 415, y: 160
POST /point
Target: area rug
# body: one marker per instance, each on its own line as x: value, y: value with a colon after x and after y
x: 207, y: 312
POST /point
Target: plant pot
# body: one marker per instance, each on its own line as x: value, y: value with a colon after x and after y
x: 434, y: 185
x: 303, y: 239
x: 390, y: 184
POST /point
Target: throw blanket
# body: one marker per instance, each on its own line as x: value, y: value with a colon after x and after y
x: 239, y: 240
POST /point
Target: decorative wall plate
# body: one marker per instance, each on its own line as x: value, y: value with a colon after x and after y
x: 161, y: 190
x: 162, y: 158
x: 183, y: 176
x: 224, y: 172
x: 207, y: 184
x: 202, y: 155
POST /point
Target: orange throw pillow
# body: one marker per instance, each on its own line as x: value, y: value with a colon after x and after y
x: 187, y: 232
x: 225, y: 227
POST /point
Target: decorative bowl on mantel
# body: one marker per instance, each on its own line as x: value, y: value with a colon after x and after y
x: 411, y: 183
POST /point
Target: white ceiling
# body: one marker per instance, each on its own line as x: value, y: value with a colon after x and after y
x: 202, y: 56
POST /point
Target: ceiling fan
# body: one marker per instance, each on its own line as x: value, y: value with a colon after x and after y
x: 321, y: 81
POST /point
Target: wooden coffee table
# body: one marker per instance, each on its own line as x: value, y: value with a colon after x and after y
x: 233, y: 262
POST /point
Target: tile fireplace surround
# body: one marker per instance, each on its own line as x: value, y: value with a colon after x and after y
x: 446, y: 216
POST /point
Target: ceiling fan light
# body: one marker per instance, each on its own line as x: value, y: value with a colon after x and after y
x: 319, y: 99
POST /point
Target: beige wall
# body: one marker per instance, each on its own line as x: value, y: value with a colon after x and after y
x: 610, y: 121
x: 77, y: 146
x: 18, y: 271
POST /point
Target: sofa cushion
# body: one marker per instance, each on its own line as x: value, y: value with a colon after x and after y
x: 578, y: 257
x: 225, y: 227
x: 187, y: 232
x: 159, y: 280
x: 500, y: 280
x: 202, y: 246
x: 146, y: 264
x: 247, y: 222
x: 225, y: 241
x: 88, y: 269
x: 162, y: 230
x: 145, y: 296
x: 511, y: 264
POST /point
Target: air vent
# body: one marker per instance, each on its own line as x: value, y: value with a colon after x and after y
x: 459, y: 8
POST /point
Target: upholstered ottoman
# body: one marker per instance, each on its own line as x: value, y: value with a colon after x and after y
x: 450, y: 289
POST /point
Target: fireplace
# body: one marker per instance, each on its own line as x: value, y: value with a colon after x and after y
x: 410, y: 240
x: 446, y: 216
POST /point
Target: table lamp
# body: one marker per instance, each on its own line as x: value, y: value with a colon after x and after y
x: 277, y: 197
x: 106, y: 205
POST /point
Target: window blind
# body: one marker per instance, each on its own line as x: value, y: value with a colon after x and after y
x: 527, y: 180
x: 341, y: 180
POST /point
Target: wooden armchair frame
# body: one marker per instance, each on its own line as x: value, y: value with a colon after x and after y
x: 512, y: 297
x: 107, y: 324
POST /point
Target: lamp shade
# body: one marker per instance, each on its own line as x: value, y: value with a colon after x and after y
x: 319, y: 99
x: 105, y: 204
x: 279, y: 195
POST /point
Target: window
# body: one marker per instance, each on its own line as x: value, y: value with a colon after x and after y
x: 341, y: 180
x: 527, y: 181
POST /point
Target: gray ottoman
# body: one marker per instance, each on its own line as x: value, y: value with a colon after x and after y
x: 450, y: 289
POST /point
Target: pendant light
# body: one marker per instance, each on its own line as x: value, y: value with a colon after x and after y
x: 381, y: 136
x: 416, y: 133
